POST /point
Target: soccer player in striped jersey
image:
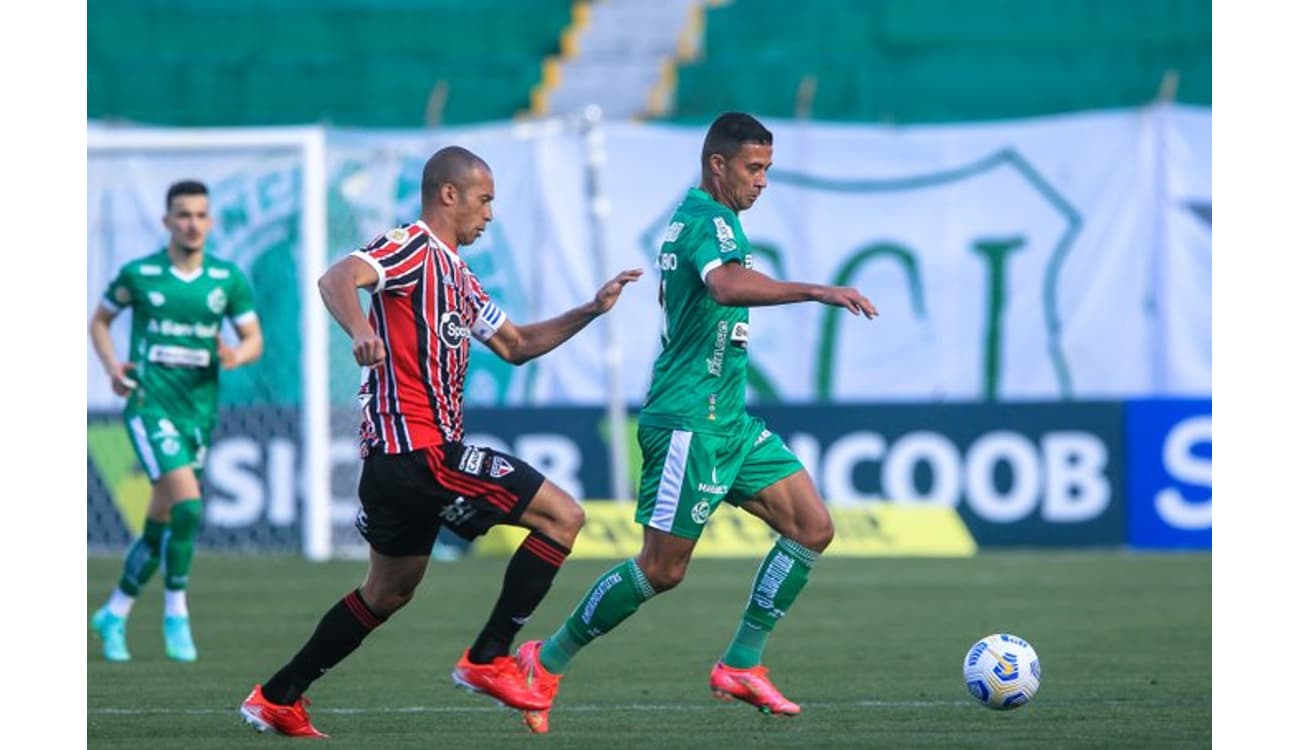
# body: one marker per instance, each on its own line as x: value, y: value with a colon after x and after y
x: 178, y: 298
x: 699, y: 446
x: 417, y: 474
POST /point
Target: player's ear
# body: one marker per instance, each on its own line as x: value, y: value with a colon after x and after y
x: 448, y: 194
x: 716, y: 164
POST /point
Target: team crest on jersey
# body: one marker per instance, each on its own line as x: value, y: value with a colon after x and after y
x: 500, y: 467
x: 156, y: 299
x: 726, y: 239
x: 398, y: 235
x: 451, y: 330
x: 171, y: 446
x: 700, y: 513
x: 217, y: 301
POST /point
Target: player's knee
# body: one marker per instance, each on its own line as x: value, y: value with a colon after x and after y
x: 562, y: 519
x: 186, y: 518
x: 663, y: 577
x: 817, y: 536
x: 387, y: 600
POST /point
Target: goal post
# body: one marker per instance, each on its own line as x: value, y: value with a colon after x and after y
x: 174, y: 153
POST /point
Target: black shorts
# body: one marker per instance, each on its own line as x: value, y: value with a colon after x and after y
x: 407, y: 497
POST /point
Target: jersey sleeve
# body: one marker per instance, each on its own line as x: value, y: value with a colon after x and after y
x: 487, y: 318
x: 240, y: 296
x: 398, y: 257
x: 120, y: 291
x: 717, y: 241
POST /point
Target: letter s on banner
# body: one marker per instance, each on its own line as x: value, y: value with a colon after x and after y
x: 1185, y: 466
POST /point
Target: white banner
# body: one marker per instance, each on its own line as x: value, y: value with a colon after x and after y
x: 1055, y: 258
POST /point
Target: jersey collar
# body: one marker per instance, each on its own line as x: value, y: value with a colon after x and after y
x: 434, y: 238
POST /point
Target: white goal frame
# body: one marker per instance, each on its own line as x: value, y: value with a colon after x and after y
x: 309, y: 142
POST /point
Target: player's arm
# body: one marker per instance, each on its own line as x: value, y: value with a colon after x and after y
x: 249, y: 348
x: 734, y: 285
x: 119, y: 373
x: 519, y: 344
x: 338, y: 289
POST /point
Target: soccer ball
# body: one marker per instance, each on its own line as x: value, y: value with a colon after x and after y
x: 1002, y: 671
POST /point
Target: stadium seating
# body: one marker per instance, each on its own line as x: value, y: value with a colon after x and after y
x: 944, y: 60
x: 364, y: 63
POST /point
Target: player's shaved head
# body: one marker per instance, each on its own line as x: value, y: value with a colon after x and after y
x: 451, y: 165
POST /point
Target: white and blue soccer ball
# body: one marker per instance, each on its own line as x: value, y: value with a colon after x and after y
x: 1002, y: 671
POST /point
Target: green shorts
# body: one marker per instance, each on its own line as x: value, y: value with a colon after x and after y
x: 685, y: 476
x: 163, y: 444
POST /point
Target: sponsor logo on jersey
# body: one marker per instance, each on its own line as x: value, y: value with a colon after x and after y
x: 156, y: 299
x: 165, y: 427
x: 219, y: 273
x: 764, y: 435
x: 740, y: 335
x: 719, y: 349
x: 700, y: 513
x: 217, y: 301
x: 674, y: 231
x: 451, y: 330
x: 726, y: 239
x: 712, y: 489
x: 500, y: 467
x: 172, y: 328
x: 471, y: 461
x: 150, y: 270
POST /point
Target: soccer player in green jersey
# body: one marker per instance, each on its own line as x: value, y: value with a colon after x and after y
x: 699, y: 446
x: 178, y: 298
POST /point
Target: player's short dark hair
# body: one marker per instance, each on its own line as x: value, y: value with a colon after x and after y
x: 185, y: 187
x: 452, y: 164
x: 729, y: 132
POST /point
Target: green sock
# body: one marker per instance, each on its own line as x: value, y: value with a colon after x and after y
x: 142, y: 558
x: 178, y: 551
x: 612, y: 599
x: 780, y: 578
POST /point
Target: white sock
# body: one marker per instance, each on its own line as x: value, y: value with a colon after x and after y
x: 119, y: 603
x: 174, y: 603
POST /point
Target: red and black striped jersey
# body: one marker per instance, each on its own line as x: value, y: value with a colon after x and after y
x: 425, y: 306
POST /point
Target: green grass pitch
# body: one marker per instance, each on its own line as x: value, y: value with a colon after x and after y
x: 872, y: 650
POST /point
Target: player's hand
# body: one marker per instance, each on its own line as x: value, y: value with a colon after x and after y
x: 846, y: 297
x: 368, y: 349
x: 228, y: 357
x: 121, y: 380
x: 608, y: 294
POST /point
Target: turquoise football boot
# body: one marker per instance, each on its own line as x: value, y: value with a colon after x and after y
x: 111, y: 629
x: 176, y: 634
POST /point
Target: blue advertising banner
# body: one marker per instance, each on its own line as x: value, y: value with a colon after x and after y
x: 1169, y: 455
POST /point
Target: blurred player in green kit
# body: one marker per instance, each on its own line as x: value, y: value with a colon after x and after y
x: 178, y: 298
x: 699, y: 446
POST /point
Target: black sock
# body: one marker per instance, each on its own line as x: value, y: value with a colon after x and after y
x: 528, y: 578
x: 339, y: 633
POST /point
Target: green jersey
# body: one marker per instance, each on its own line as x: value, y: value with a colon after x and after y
x: 175, y: 319
x: 699, y: 380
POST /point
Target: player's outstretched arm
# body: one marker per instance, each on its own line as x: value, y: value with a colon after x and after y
x: 338, y: 289
x: 734, y: 285
x: 119, y: 373
x: 519, y: 344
